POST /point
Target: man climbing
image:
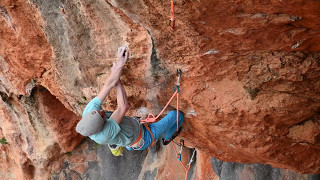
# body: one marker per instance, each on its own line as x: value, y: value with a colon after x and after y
x: 116, y: 128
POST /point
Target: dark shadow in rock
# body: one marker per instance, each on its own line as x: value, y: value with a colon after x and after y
x: 111, y: 167
x: 148, y: 175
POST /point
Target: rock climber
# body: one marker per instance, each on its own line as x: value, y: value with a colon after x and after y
x: 117, y: 129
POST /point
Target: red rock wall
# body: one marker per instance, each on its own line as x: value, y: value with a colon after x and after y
x: 250, y: 85
x: 250, y: 75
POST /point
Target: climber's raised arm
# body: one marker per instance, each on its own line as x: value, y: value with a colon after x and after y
x: 128, y: 132
x: 122, y: 102
x: 116, y: 71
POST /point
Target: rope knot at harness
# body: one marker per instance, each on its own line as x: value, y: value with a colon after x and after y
x: 150, y: 118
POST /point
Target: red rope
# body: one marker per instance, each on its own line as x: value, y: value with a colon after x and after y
x: 177, y: 111
x: 172, y: 10
x: 172, y: 21
x: 151, y: 117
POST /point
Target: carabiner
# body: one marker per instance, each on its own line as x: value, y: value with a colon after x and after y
x: 182, y: 142
x: 179, y: 157
x: 172, y: 24
x: 176, y: 88
x: 179, y: 74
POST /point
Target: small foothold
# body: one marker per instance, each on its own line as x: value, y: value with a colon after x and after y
x: 295, y: 45
x: 295, y: 18
x: 268, y: 78
x: 259, y: 15
x: 62, y: 10
x: 211, y: 51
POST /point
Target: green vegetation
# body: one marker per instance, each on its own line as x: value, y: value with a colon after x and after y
x: 81, y: 103
x: 3, y: 141
x: 252, y: 92
x: 96, y: 146
x: 100, y: 74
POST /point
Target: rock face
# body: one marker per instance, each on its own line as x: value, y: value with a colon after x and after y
x: 250, y: 84
x: 231, y: 170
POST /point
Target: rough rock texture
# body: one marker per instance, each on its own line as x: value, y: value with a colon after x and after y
x: 250, y: 85
x: 37, y: 129
x: 93, y: 161
x: 250, y: 75
x: 231, y: 170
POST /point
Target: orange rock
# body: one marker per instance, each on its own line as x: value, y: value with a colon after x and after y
x: 91, y: 156
x: 204, y: 169
x: 25, y: 52
x: 84, y: 146
x: 76, y: 158
x: 57, y: 165
x: 79, y: 167
x: 249, y: 88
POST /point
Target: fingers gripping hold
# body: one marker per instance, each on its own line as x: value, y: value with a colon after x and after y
x: 126, y: 54
x: 122, y: 51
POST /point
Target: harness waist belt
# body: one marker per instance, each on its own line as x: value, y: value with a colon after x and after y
x: 147, y: 127
x: 138, y: 139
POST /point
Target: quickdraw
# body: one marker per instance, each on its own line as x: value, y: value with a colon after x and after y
x: 187, y: 167
x: 181, y: 146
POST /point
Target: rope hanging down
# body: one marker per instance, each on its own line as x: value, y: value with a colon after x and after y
x: 172, y: 21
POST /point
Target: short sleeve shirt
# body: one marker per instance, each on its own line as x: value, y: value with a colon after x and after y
x: 112, y: 133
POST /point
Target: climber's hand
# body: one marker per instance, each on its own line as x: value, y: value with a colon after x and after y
x: 123, y: 54
x: 117, y: 67
x: 114, y: 79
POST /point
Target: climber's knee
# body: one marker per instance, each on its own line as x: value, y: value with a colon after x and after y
x: 173, y: 114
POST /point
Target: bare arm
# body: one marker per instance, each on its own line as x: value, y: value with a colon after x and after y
x: 122, y: 102
x: 109, y: 84
x: 116, y: 71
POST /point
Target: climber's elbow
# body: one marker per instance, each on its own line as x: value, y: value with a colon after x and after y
x: 124, y: 107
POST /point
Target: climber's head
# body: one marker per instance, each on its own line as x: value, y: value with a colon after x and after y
x: 91, y: 123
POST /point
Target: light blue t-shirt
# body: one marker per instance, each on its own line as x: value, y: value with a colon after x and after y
x: 112, y: 133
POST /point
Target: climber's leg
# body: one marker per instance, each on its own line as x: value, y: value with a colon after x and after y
x: 167, y: 125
